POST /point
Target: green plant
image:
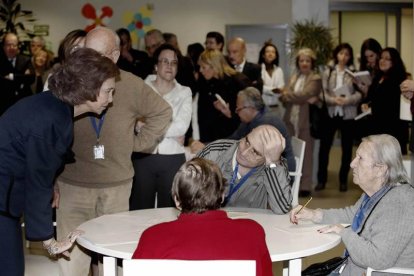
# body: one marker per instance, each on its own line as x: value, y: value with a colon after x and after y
x: 13, y: 18
x: 315, y: 36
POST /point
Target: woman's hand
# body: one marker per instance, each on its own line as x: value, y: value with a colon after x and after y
x: 340, y: 100
x: 55, y: 247
x: 196, y: 146
x: 334, y: 228
x: 364, y: 107
x: 56, y: 196
x: 225, y: 109
x: 304, y: 214
x: 407, y: 85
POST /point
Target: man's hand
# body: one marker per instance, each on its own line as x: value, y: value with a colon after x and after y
x: 273, y: 144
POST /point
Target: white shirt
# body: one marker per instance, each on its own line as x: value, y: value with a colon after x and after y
x: 276, y: 80
x: 180, y: 100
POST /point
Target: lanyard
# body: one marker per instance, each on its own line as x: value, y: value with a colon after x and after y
x: 98, y: 127
x: 233, y: 188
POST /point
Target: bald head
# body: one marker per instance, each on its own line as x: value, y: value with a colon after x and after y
x: 105, y: 41
x: 236, y: 49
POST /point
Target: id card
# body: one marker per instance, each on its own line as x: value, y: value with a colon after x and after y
x: 99, y: 151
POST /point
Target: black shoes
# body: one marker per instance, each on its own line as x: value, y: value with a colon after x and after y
x: 320, y: 187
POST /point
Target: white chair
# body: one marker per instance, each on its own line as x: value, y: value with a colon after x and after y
x: 298, y: 147
x: 396, y: 270
x: 188, y: 268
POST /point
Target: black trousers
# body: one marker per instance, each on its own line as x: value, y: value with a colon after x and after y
x: 347, y: 128
x: 11, y: 247
x: 154, y: 174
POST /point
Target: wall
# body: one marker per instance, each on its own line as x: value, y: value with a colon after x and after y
x: 189, y: 19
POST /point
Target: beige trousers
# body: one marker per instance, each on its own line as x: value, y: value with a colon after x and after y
x: 80, y: 204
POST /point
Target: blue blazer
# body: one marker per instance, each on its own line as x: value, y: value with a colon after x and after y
x: 35, y: 135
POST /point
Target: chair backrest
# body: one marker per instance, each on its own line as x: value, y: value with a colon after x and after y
x: 188, y: 268
x: 395, y: 270
x: 298, y: 147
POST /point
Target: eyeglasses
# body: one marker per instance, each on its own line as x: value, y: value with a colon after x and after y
x: 166, y: 62
x: 153, y: 46
x: 238, y: 109
x: 11, y: 45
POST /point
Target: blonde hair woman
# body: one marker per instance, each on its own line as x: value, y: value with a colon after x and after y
x: 218, y: 87
x: 303, y: 89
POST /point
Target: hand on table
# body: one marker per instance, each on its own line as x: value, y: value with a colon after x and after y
x: 334, y: 228
x: 304, y: 214
x: 55, y: 247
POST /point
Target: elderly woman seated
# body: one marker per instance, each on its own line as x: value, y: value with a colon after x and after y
x: 381, y: 233
x: 202, y: 232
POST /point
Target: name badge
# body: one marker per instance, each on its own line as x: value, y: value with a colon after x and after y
x: 99, y: 151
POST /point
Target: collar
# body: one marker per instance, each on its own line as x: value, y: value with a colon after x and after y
x: 206, y: 216
x: 371, y: 203
x: 234, y: 162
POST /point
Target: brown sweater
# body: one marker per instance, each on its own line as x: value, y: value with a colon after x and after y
x: 132, y: 99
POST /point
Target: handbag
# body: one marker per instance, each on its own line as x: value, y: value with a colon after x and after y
x: 324, y: 268
x: 318, y: 117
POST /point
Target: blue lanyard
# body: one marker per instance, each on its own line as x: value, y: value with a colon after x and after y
x: 235, y: 188
x: 98, y: 127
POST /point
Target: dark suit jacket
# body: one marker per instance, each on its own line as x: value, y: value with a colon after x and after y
x: 19, y: 87
x: 254, y: 73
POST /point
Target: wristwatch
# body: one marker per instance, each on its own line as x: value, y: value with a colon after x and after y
x: 272, y: 165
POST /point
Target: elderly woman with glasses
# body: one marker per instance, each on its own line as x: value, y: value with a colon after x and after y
x: 381, y: 233
x: 154, y: 171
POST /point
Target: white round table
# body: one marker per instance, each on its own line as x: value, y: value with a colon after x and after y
x: 117, y: 235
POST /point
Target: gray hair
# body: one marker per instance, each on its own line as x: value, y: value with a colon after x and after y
x: 252, y: 97
x: 387, y: 151
x: 157, y: 34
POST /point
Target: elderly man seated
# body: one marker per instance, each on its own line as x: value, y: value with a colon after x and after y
x: 253, y: 112
x: 257, y: 174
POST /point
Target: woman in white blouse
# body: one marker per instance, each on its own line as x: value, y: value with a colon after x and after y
x: 342, y: 100
x: 272, y: 76
x: 154, y: 172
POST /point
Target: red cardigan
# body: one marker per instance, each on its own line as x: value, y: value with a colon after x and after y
x: 207, y: 236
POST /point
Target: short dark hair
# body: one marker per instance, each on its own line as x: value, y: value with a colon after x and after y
x: 217, y: 36
x: 66, y: 45
x: 163, y: 47
x: 80, y: 78
x: 198, y: 186
x: 262, y: 51
x: 341, y: 47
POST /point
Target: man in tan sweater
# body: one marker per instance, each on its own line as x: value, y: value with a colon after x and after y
x: 100, y: 180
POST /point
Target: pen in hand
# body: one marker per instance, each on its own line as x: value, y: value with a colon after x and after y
x: 306, y: 204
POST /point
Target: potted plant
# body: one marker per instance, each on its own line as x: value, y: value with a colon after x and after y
x: 13, y: 18
x: 315, y: 36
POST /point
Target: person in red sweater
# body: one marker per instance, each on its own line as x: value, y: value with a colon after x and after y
x: 201, y: 231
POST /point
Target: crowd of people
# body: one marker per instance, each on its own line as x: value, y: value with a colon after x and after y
x: 140, y: 114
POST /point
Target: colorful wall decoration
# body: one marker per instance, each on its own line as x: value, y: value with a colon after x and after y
x: 89, y: 12
x: 138, y: 23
